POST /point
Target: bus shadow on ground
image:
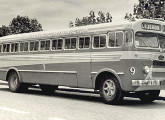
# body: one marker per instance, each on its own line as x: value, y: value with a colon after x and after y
x: 91, y: 96
x: 82, y: 95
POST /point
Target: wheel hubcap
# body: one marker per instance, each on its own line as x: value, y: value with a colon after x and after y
x: 109, y: 88
x: 13, y: 81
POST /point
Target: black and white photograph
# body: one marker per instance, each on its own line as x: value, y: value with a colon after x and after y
x: 82, y: 60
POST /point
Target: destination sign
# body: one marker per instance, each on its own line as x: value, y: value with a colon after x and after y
x: 151, y: 26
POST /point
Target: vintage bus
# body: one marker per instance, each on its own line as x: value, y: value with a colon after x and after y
x: 113, y: 58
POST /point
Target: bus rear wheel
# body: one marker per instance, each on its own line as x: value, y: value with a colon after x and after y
x: 110, y: 91
x: 148, y: 96
x: 14, y: 83
x: 48, y: 89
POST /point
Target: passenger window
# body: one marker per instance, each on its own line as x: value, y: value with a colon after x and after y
x: 70, y: 43
x: 57, y: 44
x: 34, y: 46
x: 60, y: 44
x: 112, y: 39
x: 14, y: 47
x: 119, y: 39
x: 84, y: 42
x: 24, y: 46
x: 67, y: 43
x: 128, y: 38
x: 73, y: 43
x: 6, y: 47
x: 115, y: 39
x: 100, y: 41
x: 45, y: 45
x: 54, y: 44
x: 21, y: 47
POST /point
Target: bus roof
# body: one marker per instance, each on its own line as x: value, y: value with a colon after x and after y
x: 79, y: 30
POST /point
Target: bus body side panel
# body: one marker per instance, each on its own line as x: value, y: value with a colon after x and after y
x: 68, y: 69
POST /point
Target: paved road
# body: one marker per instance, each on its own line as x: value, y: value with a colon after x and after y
x: 67, y: 105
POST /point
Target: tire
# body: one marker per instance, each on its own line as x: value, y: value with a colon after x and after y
x: 48, y: 89
x: 148, y: 96
x: 110, y: 91
x: 14, y: 83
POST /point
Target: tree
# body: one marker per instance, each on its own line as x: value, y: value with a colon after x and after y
x: 90, y: 20
x: 24, y: 25
x: 150, y: 9
x: 4, y: 31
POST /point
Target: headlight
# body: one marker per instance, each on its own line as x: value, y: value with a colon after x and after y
x: 146, y: 69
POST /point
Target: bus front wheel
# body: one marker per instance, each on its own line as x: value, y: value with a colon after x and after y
x: 14, y: 83
x: 48, y: 89
x: 148, y: 96
x: 110, y: 91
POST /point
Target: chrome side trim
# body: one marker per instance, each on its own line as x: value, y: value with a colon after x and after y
x: 120, y: 73
x: 4, y: 70
x: 44, y: 71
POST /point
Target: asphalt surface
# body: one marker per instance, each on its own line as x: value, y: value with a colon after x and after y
x: 74, y: 104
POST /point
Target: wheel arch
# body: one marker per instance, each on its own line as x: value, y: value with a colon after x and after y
x: 10, y: 70
x: 103, y: 73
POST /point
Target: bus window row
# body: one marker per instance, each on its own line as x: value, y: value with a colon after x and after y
x: 115, y: 39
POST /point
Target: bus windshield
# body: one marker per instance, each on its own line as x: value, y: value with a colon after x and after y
x: 146, y: 39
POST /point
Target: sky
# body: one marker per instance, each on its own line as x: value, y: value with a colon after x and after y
x: 56, y: 14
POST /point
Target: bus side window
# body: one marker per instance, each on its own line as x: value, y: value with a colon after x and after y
x: 73, y: 43
x: 14, y: 47
x: 96, y: 41
x: 57, y: 44
x: 70, y: 43
x: 21, y: 47
x: 128, y: 38
x: 119, y: 39
x: 103, y: 41
x: 99, y: 41
x: 87, y: 42
x: 112, y: 40
x: 81, y: 42
x: 54, y: 44
x: 34, y: 46
x: 67, y: 43
x: 45, y: 45
x: 84, y: 42
x: 26, y: 46
x: 60, y: 43
x: 6, y: 47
